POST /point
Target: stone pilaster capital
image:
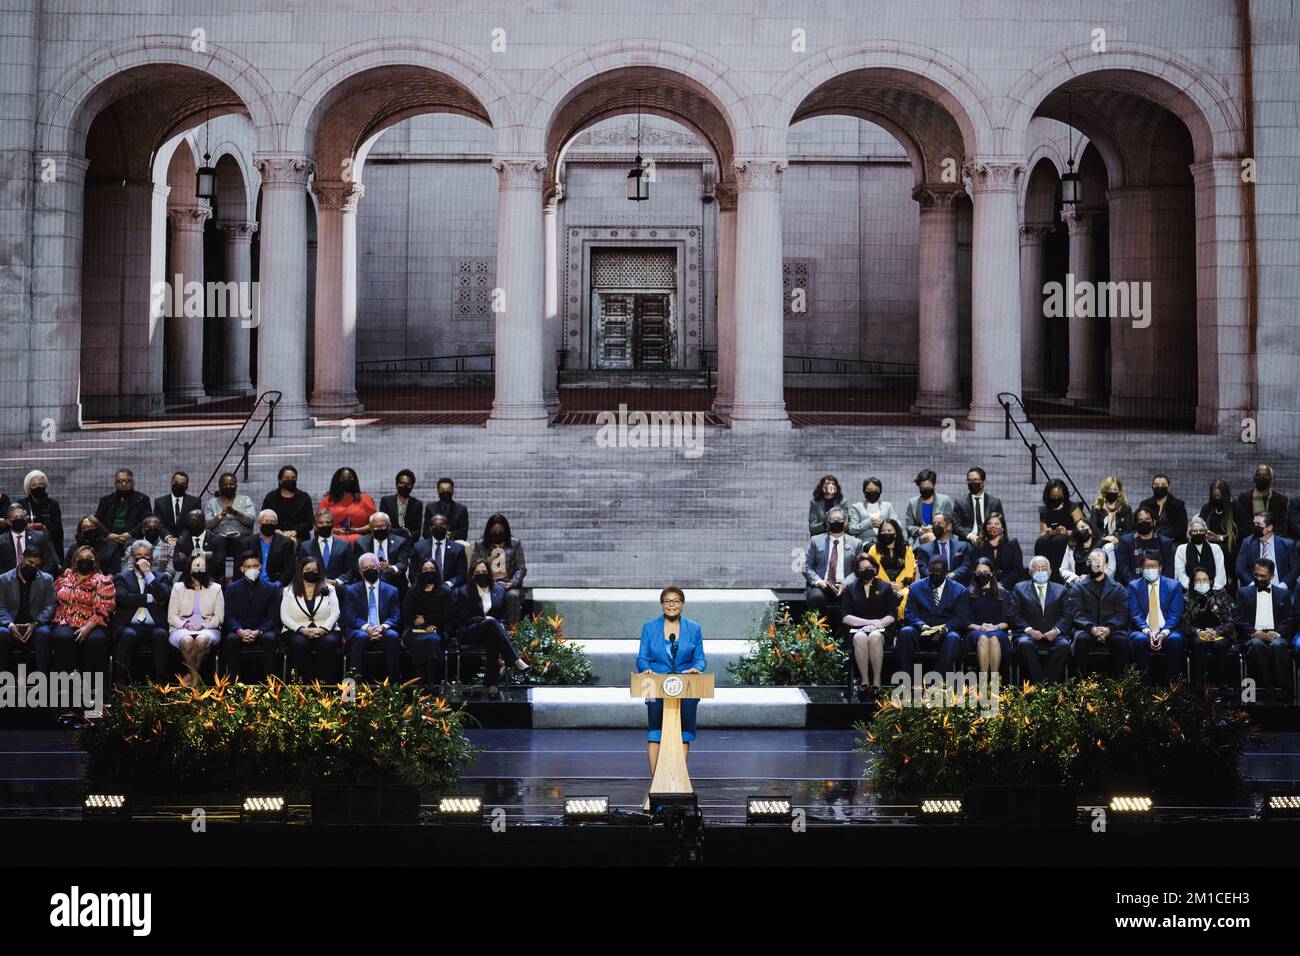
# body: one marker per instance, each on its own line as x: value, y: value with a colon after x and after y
x: 519, y: 172
x: 237, y: 230
x: 337, y: 194
x: 725, y: 196
x: 189, y: 217
x: 994, y: 175
x: 1034, y: 233
x: 937, y: 196
x: 552, y: 196
x: 284, y: 170
x: 759, y: 174
x: 1078, y: 220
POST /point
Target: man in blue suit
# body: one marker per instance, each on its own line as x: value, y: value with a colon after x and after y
x: 1155, y: 609
x: 951, y: 550
x: 1265, y: 620
x: 447, y: 554
x: 252, y: 617
x: 334, y: 554
x: 1267, y: 546
x: 1040, y: 621
x: 142, y: 593
x: 935, y: 616
x: 1135, y: 544
x: 370, y: 612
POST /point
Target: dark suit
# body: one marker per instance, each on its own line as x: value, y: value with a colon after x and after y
x: 1267, y: 662
x: 921, y: 612
x: 173, y: 524
x: 131, y: 597
x: 1053, y: 614
x: 214, y: 546
x: 1279, y: 507
x: 489, y: 632
x: 353, y: 616
x: 251, y: 606
x: 455, y: 567
x: 399, y: 557
x: 342, y: 564
x: 1170, y: 520
x: 137, y: 508
x: 1170, y: 596
x: 964, y: 514
x: 1090, y: 605
x: 457, y: 518
x: 1285, y: 563
x: 40, y: 609
x: 1129, y: 567
x: 413, y: 527
x: 1008, y: 562
x: 957, y: 556
x: 281, y: 560
x: 10, y: 558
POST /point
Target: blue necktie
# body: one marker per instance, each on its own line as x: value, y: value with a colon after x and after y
x: 672, y: 652
x: 373, y: 619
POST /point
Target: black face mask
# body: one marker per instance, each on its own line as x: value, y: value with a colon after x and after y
x: 90, y: 534
x: 439, y: 532
x: 228, y: 491
x: 444, y: 496
x: 405, y: 490
x: 835, y: 526
x: 370, y: 575
x: 937, y: 578
x: 866, y: 573
x: 1144, y: 527
x: 1081, y: 536
x: 124, y: 493
x: 1112, y: 496
x: 497, y: 536
x: 311, y: 577
x: 85, y: 565
x: 201, y: 578
x: 1098, y: 573
x: 38, y: 492
x: 1056, y: 502
x: 886, y: 539
x: 873, y: 496
x: 1196, y: 539
x: 482, y: 580
x: 152, y: 535
x: 27, y: 572
x: 429, y: 577
x: 196, y: 530
x: 269, y: 529
x: 325, y: 532
x: 1260, y: 532
x: 1263, y: 483
x: 927, y: 494
x: 19, y: 525
x: 1160, y: 494
x: 983, y: 578
x: 380, y: 534
x: 974, y: 487
x: 289, y: 484
x: 178, y: 491
x: 1262, y: 586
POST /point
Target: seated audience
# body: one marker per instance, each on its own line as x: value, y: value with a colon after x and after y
x: 404, y: 510
x: 866, y: 516
x: 952, y: 551
x: 988, y: 619
x: 505, y: 559
x: 1057, y: 517
x: 1155, y: 610
x: 292, y: 506
x: 83, y: 615
x: 870, y: 610
x: 430, y: 615
x: 1002, y: 552
x: 1227, y: 520
x: 309, y: 615
x: 1098, y: 610
x: 333, y: 553
x: 162, y: 547
x: 1083, y: 541
x: 1265, y: 544
x: 15, y: 541
x: 922, y: 508
x: 894, y: 558
x: 44, y: 512
x: 277, y: 555
x: 457, y: 514
x: 1265, y: 620
x: 1264, y: 498
x: 1111, y: 514
x: 252, y: 625
x: 92, y: 534
x: 826, y: 495
x: 228, y: 513
x: 122, y: 511
x: 1135, y: 544
x: 974, y: 508
x: 371, y: 611
x: 1200, y: 552
x: 1040, y: 618
x: 198, y: 541
x: 1170, y: 513
x: 392, y: 548
x: 480, y: 609
x: 935, y: 617
x: 350, y: 506
x: 171, y: 508
x: 447, y: 554
x: 143, y: 592
x: 26, y: 612
x: 1209, y: 626
x: 195, y: 614
x: 828, y: 563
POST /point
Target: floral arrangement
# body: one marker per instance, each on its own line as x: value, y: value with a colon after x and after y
x: 786, y: 652
x: 554, y: 660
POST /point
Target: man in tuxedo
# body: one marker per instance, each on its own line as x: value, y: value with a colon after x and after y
x: 1040, y: 621
x: 1155, y: 610
x: 1170, y: 513
x: 142, y: 595
x: 252, y: 624
x: 439, y: 548
x: 370, y: 613
x: 172, y: 508
x: 973, y: 508
x: 334, y: 554
x: 946, y: 546
x: 277, y: 556
x: 15, y: 541
x: 457, y: 514
x: 26, y: 611
x: 123, y: 510
x: 935, y: 616
x: 1265, y: 619
x: 1098, y: 611
x: 196, y: 538
x: 391, y: 548
x: 1266, y: 545
x: 404, y: 510
x: 829, y: 559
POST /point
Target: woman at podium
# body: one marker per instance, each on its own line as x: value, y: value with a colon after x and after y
x: 670, y: 644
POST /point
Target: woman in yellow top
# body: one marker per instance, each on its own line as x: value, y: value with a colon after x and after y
x: 895, y: 560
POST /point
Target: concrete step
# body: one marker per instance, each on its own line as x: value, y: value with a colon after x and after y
x: 616, y: 707
x: 614, y: 659
x: 593, y: 613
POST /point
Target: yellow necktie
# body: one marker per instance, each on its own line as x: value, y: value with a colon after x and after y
x: 1155, y: 620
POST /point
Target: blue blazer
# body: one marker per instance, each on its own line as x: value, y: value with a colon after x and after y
x: 342, y: 564
x: 958, y: 555
x: 1286, y: 566
x: 654, y: 656
x: 951, y: 612
x: 1171, y: 604
x: 354, y: 612
x: 255, y: 605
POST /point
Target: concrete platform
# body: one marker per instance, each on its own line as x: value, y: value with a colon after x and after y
x: 613, y: 660
x: 570, y: 707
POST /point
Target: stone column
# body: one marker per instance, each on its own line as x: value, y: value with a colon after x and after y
x: 184, y: 328
x: 519, y: 403
x: 939, y: 385
x: 1082, y: 367
x: 1032, y: 333
x: 236, y: 339
x: 158, y: 280
x: 759, y: 401
x: 334, y: 391
x: 135, y: 359
x: 282, y: 283
x: 995, y: 287
x: 551, y: 338
x: 55, y: 360
x: 725, y: 396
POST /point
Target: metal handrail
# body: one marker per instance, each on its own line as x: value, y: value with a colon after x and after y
x: 1005, y: 399
x: 270, y: 399
x: 426, y: 363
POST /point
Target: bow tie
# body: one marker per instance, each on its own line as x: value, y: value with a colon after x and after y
x: 1262, y: 590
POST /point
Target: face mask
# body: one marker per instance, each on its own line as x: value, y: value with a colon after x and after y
x: 28, y: 572
x: 497, y: 536
x: 1151, y: 574
x: 405, y: 490
x: 196, y: 530
x: 1159, y: 493
x: 289, y: 484
x: 829, y: 493
x: 994, y: 532
x: 38, y: 492
x: 227, y: 491
x: 937, y: 578
x: 428, y: 577
x: 1081, y: 536
x: 835, y: 526
x: 1260, y: 531
x: 872, y: 496
x: 927, y: 493
x: 90, y: 534
x: 1144, y: 527
x: 1197, y: 539
x: 482, y: 580
x: 201, y: 578
x: 1262, y: 585
x: 1041, y: 577
x: 19, y: 525
x: 1055, y: 501
x: 311, y: 577
x: 983, y: 577
x: 940, y: 532
x: 252, y: 574
x: 178, y: 491
x: 1112, y: 496
x: 124, y: 493
x: 325, y: 532
x: 1098, y: 570
x: 866, y: 573
x: 887, y: 539
x: 370, y: 575
x: 974, y: 487
x: 269, y: 529
x: 85, y: 565
x: 1263, y: 483
x: 444, y: 496
x: 439, y: 533
x: 152, y: 535
x: 380, y: 534
x: 1202, y: 587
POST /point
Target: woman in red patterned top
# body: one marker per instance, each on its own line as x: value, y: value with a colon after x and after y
x: 350, y: 506
x: 85, y: 601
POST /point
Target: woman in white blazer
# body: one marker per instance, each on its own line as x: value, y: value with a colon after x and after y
x: 195, y: 611
x: 309, y: 611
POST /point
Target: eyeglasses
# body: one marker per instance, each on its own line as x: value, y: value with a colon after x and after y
x: 671, y: 602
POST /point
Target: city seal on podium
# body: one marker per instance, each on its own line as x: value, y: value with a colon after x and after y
x: 672, y: 686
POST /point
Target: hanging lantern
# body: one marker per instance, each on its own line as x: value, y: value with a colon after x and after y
x: 205, y: 180
x: 638, y: 180
x: 1071, y: 184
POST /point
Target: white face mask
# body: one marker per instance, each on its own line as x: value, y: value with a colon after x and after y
x: 1151, y: 574
x: 1202, y: 587
x: 252, y: 574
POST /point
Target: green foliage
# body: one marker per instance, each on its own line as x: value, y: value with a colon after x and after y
x: 1095, y: 735
x: 785, y: 652
x: 540, y: 639
x: 233, y: 737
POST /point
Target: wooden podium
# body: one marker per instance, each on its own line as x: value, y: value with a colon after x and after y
x: 670, y: 769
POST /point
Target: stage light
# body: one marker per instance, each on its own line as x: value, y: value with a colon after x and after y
x: 1281, y: 806
x: 944, y: 806
x: 768, y: 809
x: 105, y: 805
x: 264, y: 808
x: 1131, y: 804
x: 461, y: 809
x: 585, y: 809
